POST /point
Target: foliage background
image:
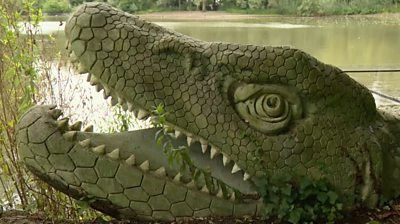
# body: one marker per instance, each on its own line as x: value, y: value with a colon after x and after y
x: 298, y: 7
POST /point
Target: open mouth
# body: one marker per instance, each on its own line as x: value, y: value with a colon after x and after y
x: 127, y: 174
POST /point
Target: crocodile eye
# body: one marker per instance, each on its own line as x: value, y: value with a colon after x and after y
x: 267, y: 108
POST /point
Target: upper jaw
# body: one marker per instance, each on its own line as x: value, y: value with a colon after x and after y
x: 83, y: 49
x: 129, y: 99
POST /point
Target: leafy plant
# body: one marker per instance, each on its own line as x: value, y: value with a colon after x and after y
x: 178, y: 156
x: 175, y: 155
x: 304, y: 201
x: 56, y: 7
x: 309, y: 8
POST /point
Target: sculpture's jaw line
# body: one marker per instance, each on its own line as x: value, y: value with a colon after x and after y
x: 75, y: 161
x: 142, y: 144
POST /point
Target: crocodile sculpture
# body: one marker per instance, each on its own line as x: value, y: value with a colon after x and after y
x: 245, y: 111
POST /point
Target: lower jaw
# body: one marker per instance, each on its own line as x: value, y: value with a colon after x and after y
x: 123, y: 174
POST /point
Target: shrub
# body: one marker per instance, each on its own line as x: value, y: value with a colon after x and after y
x: 56, y: 7
x: 304, y: 201
x: 309, y: 8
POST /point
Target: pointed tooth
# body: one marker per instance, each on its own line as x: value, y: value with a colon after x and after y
x: 135, y: 113
x: 89, y: 128
x: 114, y: 154
x: 85, y: 143
x: 220, y: 194
x: 177, y: 177
x: 82, y: 69
x: 246, y: 176
x: 205, y: 189
x: 94, y: 80
x: 204, y: 148
x: 67, y: 45
x: 62, y: 124
x: 101, y: 149
x: 131, y: 160
x: 213, y: 152
x: 191, y: 184
x: 70, y: 135
x: 130, y: 106
x: 72, y: 57
x: 142, y: 114
x: 55, y: 113
x: 160, y: 172
x: 114, y: 101
x: 233, y: 196
x: 98, y: 87
x: 145, y: 165
x: 225, y: 160
x: 178, y: 134
x: 76, y: 126
x: 235, y: 168
x: 89, y: 77
x: 121, y: 100
x: 189, y: 140
x: 106, y: 93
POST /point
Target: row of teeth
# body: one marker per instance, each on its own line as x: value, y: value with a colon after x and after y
x: 204, y: 148
x: 139, y: 113
x: 142, y: 114
x: 70, y: 133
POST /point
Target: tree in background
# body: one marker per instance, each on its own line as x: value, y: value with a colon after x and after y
x: 56, y: 6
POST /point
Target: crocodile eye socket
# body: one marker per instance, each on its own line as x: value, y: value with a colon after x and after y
x: 267, y: 108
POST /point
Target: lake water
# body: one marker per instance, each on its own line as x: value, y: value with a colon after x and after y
x: 346, y: 42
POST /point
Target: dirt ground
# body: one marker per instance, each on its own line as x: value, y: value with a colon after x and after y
x: 382, y: 216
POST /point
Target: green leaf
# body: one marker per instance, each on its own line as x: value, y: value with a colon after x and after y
x: 295, y: 216
x: 333, y: 197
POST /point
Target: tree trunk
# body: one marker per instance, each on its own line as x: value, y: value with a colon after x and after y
x: 204, y: 5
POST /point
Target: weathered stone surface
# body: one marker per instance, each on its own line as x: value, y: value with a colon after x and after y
x: 174, y: 193
x: 68, y: 177
x: 159, y: 202
x: 152, y: 185
x: 136, y: 194
x: 82, y: 157
x: 87, y: 175
x: 57, y: 146
x: 141, y: 208
x: 119, y: 200
x: 110, y: 185
x: 197, y: 200
x: 219, y: 206
x: 94, y: 190
x: 181, y: 209
x: 244, y: 209
x: 128, y: 176
x: 106, y: 167
x: 61, y: 162
x: 163, y: 215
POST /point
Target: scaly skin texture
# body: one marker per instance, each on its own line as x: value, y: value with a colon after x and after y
x: 259, y: 110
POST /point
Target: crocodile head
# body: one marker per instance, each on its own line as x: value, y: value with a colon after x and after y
x: 246, y: 112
